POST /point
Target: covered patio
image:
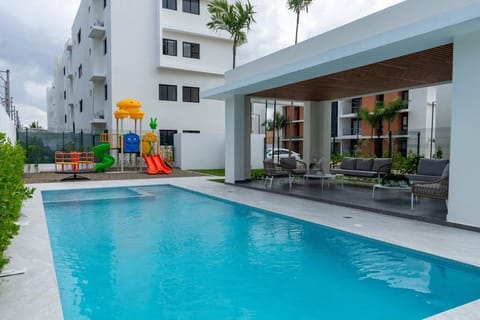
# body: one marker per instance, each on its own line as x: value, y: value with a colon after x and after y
x: 359, y: 196
x: 410, y: 45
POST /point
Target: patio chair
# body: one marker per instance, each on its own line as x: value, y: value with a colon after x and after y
x: 294, y: 167
x: 272, y: 170
x: 436, y: 189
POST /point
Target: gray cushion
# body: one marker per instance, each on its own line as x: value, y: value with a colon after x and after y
x: 446, y: 171
x: 419, y: 177
x: 381, y: 164
x: 364, y: 164
x: 348, y: 163
x: 431, y: 167
x: 289, y: 162
x: 355, y: 173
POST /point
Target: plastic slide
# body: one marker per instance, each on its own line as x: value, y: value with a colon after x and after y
x: 106, y: 160
x: 156, y: 165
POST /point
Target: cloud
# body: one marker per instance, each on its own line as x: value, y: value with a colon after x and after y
x: 36, y: 90
x: 275, y: 26
x: 29, y: 114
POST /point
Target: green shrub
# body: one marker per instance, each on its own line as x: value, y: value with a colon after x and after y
x: 257, y: 174
x: 407, y: 164
x: 12, y: 192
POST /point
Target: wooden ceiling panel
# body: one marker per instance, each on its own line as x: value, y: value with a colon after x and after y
x: 413, y: 70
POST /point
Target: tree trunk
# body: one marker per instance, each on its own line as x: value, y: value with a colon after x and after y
x: 296, y: 30
x: 234, y: 52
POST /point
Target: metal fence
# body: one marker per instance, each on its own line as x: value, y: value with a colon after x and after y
x: 40, y: 146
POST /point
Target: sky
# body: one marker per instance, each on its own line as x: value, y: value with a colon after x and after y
x: 33, y: 33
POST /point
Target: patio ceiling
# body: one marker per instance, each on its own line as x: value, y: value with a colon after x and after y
x: 413, y: 70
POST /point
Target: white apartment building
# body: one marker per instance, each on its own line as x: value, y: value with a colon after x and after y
x: 424, y: 124
x: 159, y: 52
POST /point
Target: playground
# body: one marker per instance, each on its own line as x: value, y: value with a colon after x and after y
x: 120, y: 149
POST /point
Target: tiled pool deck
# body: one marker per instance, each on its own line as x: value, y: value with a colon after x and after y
x: 34, y: 295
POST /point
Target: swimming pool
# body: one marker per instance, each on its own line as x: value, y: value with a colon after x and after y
x: 163, y: 252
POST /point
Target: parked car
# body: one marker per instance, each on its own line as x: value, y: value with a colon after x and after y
x: 282, y: 153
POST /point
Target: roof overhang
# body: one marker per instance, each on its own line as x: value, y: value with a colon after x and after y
x: 404, y: 46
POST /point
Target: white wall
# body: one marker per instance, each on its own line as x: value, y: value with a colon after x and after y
x: 256, y: 150
x: 199, y: 151
x: 463, y: 205
x: 7, y: 126
x: 443, y: 118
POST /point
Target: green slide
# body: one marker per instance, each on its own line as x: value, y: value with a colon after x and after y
x: 106, y: 160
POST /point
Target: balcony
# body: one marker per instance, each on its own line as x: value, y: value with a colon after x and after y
x: 68, y: 45
x: 97, y: 30
x: 98, y: 77
x: 351, y: 132
x: 98, y: 118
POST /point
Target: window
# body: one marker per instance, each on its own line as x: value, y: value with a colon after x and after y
x: 379, y: 98
x: 170, y: 47
x: 191, y: 94
x: 191, y: 50
x: 356, y: 105
x: 80, y: 71
x: 79, y: 36
x: 104, y: 3
x: 105, y: 46
x: 191, y: 6
x: 65, y: 119
x: 64, y: 95
x: 405, y: 98
x: 105, y: 89
x: 80, y: 105
x: 166, y: 137
x: 167, y: 92
x: 404, y: 127
x: 64, y: 71
x: 169, y: 4
x: 356, y: 126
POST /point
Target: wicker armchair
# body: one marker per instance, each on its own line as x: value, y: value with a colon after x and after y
x: 294, y: 167
x: 272, y: 170
x: 437, y: 189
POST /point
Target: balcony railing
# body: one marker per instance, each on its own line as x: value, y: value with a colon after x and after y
x: 97, y: 30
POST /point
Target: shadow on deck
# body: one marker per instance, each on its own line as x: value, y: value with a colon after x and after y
x: 359, y: 196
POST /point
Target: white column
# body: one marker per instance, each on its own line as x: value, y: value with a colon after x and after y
x: 317, y: 131
x: 463, y: 202
x: 237, y: 138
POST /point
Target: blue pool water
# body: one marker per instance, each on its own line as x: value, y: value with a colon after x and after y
x: 160, y: 252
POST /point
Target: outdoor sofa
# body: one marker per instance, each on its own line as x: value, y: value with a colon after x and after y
x: 364, y: 167
x: 436, y: 188
x: 429, y: 170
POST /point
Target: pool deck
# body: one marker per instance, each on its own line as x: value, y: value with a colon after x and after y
x: 34, y: 295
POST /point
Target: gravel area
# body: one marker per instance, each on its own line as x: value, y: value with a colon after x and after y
x: 43, y: 177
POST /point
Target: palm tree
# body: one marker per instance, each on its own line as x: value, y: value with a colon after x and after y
x: 374, y: 119
x: 278, y: 122
x: 232, y: 19
x: 297, y: 6
x: 390, y: 111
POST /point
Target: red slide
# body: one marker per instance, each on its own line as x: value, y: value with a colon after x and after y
x: 155, y: 164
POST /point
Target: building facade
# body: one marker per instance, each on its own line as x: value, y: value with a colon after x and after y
x: 159, y: 52
x: 422, y: 126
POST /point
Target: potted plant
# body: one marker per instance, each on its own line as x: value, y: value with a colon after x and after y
x: 395, y: 180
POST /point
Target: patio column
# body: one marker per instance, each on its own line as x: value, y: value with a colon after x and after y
x: 237, y: 138
x: 316, y: 133
x: 464, y: 180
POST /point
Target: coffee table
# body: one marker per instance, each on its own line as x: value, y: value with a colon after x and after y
x: 324, y: 177
x: 387, y: 187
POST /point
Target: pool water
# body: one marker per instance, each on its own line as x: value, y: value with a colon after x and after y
x: 160, y: 252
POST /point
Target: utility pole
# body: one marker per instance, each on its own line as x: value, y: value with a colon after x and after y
x: 6, y: 86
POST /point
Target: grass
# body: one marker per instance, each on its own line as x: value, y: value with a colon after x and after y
x: 210, y: 172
